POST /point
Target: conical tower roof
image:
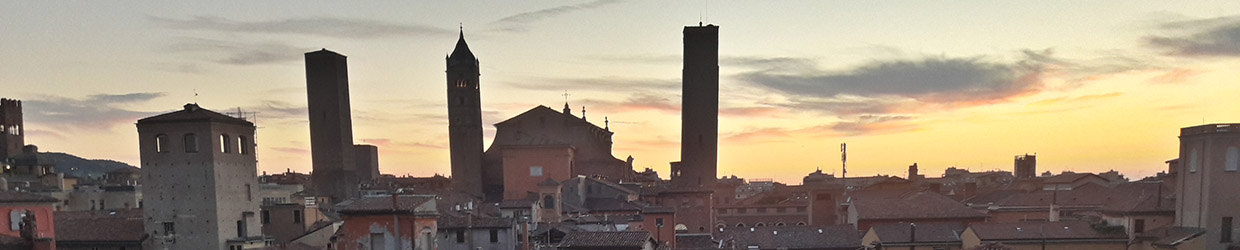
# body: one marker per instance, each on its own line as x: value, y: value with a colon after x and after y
x: 461, y: 53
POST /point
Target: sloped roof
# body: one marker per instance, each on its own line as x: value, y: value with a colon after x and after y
x: 193, y: 113
x: 925, y: 232
x: 385, y: 204
x: 1065, y: 178
x: 792, y: 237
x: 696, y: 241
x: 917, y: 205
x: 1037, y: 230
x: 100, y: 226
x: 18, y: 197
x: 454, y: 222
x: 606, y: 239
x: 1172, y: 236
x: 1085, y: 195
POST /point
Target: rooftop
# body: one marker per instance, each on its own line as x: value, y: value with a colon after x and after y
x: 606, y: 239
x: 193, y: 113
x: 1038, y: 230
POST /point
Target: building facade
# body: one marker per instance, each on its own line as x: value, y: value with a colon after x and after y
x: 1206, y: 196
x: 202, y: 184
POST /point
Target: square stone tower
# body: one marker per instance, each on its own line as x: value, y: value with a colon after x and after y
x: 331, y: 125
x: 12, y: 132
x: 699, y: 134
x: 201, y: 183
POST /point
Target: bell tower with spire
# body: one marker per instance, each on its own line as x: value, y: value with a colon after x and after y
x: 464, y: 119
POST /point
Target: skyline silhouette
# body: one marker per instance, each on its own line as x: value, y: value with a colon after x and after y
x: 967, y: 85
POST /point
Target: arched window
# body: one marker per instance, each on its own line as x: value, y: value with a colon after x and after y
x: 740, y: 224
x: 779, y: 224
x: 800, y: 223
x: 549, y: 202
x: 760, y: 224
x: 225, y: 146
x: 161, y: 143
x: 243, y: 145
x: 191, y: 143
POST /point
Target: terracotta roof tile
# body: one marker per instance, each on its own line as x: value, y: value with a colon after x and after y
x: 10, y: 196
x: 385, y: 204
x: 911, y: 205
x: 100, y: 226
x: 792, y: 237
x: 1030, y: 230
x: 606, y: 239
x: 926, y: 232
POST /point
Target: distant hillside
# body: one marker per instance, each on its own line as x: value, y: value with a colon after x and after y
x: 83, y: 168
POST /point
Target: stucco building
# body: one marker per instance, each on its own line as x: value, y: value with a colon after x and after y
x: 202, y: 182
x: 1206, y: 196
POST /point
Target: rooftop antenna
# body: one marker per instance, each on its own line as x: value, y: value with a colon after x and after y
x: 195, y: 96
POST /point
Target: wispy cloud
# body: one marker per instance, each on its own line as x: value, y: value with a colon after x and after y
x: 1212, y: 37
x: 873, y: 124
x: 239, y: 53
x: 520, y: 21
x: 312, y: 26
x: 94, y: 112
x: 604, y: 84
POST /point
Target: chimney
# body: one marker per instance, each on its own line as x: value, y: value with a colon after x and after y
x: 912, y: 232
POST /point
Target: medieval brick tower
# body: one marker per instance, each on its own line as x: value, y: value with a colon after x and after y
x: 699, y: 134
x: 12, y: 133
x: 201, y: 185
x: 331, y: 125
x: 465, y: 120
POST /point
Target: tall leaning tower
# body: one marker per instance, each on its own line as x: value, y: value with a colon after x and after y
x: 464, y: 119
x: 200, y: 181
x: 699, y: 134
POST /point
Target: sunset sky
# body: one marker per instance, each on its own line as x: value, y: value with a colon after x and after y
x: 1086, y: 85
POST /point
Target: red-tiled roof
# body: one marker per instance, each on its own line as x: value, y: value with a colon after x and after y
x: 452, y: 222
x: 372, y: 204
x: 917, y: 205
x: 792, y: 237
x: 1085, y: 195
x: 1065, y: 178
x: 635, y: 239
x: 1037, y: 230
x: 100, y: 226
x: 926, y: 232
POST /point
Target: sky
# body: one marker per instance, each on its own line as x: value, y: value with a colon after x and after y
x: 1086, y: 85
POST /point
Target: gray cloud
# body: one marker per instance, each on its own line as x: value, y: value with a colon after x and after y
x: 239, y: 53
x: 929, y: 80
x: 95, y: 112
x: 1200, y: 38
x: 518, y: 22
x: 314, y: 26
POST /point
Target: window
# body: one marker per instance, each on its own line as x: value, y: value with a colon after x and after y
x: 15, y: 219
x: 1138, y: 226
x: 742, y: 210
x: 762, y: 210
x: 266, y: 217
x: 460, y: 236
x: 1193, y: 161
x: 740, y: 224
x: 494, y: 235
x: 377, y: 242
x: 191, y: 143
x: 780, y: 209
x: 242, y: 147
x: 549, y: 202
x: 248, y: 191
x: 1226, y: 230
x: 161, y: 143
x: 1233, y: 159
x: 536, y: 171
x: 241, y: 229
x: 297, y: 216
x: 224, y: 146
x: 722, y: 210
x: 658, y: 222
x: 170, y: 228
